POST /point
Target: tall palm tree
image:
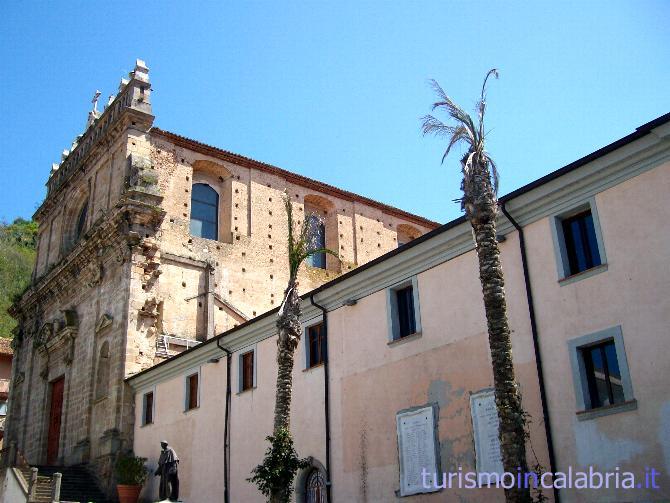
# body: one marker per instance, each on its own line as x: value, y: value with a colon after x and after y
x: 274, y: 477
x: 480, y: 204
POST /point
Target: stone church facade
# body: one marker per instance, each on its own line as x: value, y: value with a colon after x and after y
x: 150, y: 243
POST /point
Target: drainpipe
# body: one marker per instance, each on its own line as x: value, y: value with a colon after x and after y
x: 226, y: 427
x: 326, y: 395
x: 536, y: 346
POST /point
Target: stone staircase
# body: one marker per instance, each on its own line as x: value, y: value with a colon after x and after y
x: 42, y: 492
x: 77, y: 485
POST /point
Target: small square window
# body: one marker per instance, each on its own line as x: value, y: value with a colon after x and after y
x: 247, y: 370
x: 403, y: 310
x: 316, y: 345
x: 578, y: 241
x: 148, y: 408
x: 600, y: 373
x: 192, y: 391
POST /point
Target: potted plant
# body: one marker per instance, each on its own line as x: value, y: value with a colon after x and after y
x: 131, y: 473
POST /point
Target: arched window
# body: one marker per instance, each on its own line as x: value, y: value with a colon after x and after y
x: 204, y: 211
x: 317, y: 238
x: 315, y: 487
x: 81, y: 222
x: 407, y: 233
x: 102, y: 377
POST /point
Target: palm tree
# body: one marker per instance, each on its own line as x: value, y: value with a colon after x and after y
x: 274, y: 477
x: 480, y: 203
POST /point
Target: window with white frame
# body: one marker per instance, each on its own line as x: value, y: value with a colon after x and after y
x: 403, y: 313
x: 148, y: 408
x: 600, y: 372
x: 192, y: 391
x: 247, y: 369
x: 578, y: 240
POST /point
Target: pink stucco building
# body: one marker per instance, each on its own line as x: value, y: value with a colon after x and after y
x: 585, y: 253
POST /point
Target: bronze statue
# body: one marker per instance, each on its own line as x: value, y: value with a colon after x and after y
x: 168, y: 463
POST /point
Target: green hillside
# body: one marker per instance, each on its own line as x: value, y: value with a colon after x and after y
x: 17, y: 256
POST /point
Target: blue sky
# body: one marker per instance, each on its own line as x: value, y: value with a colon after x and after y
x: 335, y: 90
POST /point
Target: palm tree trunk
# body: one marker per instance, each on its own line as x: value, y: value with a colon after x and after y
x: 288, y: 327
x: 508, y: 399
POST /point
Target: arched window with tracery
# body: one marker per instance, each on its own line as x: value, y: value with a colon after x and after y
x: 204, y: 211
x: 102, y: 376
x: 315, y: 487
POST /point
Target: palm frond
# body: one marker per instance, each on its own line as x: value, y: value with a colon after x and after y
x: 300, y: 246
x: 462, y: 134
x: 494, y: 172
x: 464, y: 130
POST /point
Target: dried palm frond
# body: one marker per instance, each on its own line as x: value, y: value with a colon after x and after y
x: 463, y: 130
x: 301, y: 244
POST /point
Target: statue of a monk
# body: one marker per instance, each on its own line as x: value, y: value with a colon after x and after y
x: 168, y: 463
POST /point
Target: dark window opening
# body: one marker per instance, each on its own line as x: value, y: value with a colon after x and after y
x: 603, y: 375
x: 406, y: 320
x: 204, y: 211
x: 317, y: 238
x: 192, y: 398
x: 81, y: 222
x: 317, y: 345
x: 247, y: 371
x: 148, y: 408
x: 581, y: 243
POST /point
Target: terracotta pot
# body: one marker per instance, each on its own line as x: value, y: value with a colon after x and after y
x: 128, y: 494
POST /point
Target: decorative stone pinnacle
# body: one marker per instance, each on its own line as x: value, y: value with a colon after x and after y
x: 141, y: 71
x: 122, y: 84
x: 95, y: 99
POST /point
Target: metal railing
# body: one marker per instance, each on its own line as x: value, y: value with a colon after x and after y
x: 165, y: 341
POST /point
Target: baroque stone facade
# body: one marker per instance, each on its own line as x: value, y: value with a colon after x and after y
x: 121, y: 282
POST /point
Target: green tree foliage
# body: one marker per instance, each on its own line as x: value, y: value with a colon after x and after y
x: 17, y: 257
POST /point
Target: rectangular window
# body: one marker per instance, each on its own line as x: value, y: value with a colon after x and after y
x: 600, y: 374
x: 406, y: 321
x: 404, y: 317
x: 316, y: 341
x: 603, y: 375
x: 148, y: 408
x: 3, y: 408
x: 192, y: 382
x: 247, y: 360
x: 581, y: 243
x: 578, y: 243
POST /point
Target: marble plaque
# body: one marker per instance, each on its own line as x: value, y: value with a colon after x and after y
x: 417, y: 450
x: 485, y: 426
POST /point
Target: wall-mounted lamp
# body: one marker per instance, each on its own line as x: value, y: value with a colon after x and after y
x: 501, y: 238
x: 213, y: 360
x: 350, y: 302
